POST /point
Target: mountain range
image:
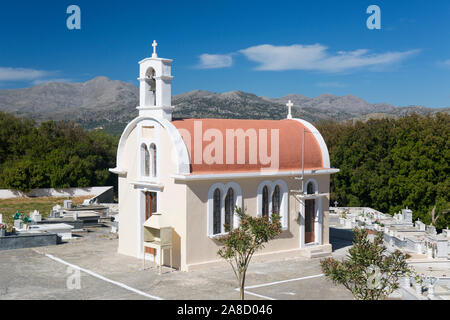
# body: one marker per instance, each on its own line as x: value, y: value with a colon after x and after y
x: 110, y: 104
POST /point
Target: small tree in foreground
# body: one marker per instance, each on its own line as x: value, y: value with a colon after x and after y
x: 368, y: 272
x: 241, y: 243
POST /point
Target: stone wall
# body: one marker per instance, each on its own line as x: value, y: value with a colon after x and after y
x: 104, y: 194
x: 28, y: 241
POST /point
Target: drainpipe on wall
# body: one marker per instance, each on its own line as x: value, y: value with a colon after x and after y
x: 302, y: 179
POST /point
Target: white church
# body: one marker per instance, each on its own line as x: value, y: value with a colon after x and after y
x: 190, y: 174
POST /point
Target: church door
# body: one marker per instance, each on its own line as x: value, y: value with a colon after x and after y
x: 150, y: 207
x: 309, y: 220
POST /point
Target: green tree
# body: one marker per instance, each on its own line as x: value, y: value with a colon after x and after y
x: 368, y: 272
x: 53, y: 154
x: 241, y: 243
x: 389, y: 164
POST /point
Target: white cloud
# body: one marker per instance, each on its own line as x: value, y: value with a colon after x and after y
x: 443, y: 63
x: 315, y: 57
x: 22, y: 74
x: 330, y: 84
x: 41, y: 81
x: 214, y: 61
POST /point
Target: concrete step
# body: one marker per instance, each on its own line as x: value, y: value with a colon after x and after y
x: 320, y: 254
x: 319, y: 251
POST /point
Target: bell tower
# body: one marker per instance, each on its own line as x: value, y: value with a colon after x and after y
x: 155, y: 92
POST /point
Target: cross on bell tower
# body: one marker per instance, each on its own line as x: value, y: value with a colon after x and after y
x: 289, y: 105
x: 155, y: 92
x: 154, y: 44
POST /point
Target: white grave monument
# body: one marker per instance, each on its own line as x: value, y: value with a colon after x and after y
x: 442, y: 248
x: 431, y: 230
x: 420, y: 225
x: 407, y: 215
x: 2, y: 231
x: 56, y: 211
x: 63, y: 230
x: 67, y: 204
x: 18, y: 224
x: 35, y: 216
x: 445, y: 232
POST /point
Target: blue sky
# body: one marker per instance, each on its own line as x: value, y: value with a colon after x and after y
x: 270, y: 48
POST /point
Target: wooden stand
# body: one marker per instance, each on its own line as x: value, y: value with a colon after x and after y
x: 158, y: 236
x: 157, y: 246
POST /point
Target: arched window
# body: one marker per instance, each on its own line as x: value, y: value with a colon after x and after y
x: 222, y: 201
x: 276, y: 200
x: 273, y: 197
x: 265, y: 202
x: 310, y: 188
x: 229, y: 208
x: 145, y: 160
x: 217, y: 214
x: 153, y: 159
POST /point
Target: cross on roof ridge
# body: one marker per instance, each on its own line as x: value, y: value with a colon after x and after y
x: 289, y: 104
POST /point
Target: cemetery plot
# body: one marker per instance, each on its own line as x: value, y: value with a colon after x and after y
x: 8, y: 207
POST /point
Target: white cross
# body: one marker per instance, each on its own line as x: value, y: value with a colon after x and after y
x: 154, y: 44
x: 289, y: 105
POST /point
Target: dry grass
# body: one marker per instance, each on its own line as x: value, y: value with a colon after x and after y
x: 26, y: 205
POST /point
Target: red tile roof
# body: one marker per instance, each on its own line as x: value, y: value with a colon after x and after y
x: 289, y: 145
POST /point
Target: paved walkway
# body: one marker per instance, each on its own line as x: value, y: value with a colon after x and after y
x: 53, y: 273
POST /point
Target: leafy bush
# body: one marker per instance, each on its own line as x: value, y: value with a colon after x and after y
x: 368, y: 272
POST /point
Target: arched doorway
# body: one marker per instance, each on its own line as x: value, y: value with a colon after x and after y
x: 310, y: 213
x: 310, y: 209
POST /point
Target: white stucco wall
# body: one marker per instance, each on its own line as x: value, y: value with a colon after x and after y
x: 202, y: 249
x: 171, y: 196
x: 128, y: 204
